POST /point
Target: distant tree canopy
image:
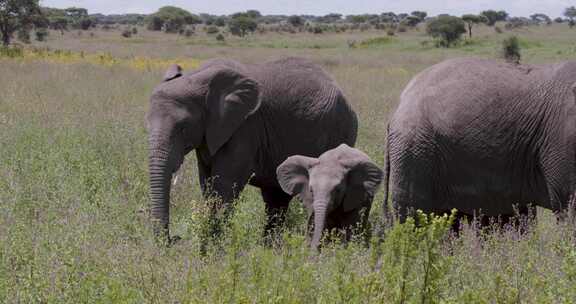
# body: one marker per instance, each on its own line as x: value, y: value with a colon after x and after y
x: 570, y: 13
x: 541, y: 18
x: 471, y: 20
x: 73, y: 17
x: 447, y: 29
x: 493, y: 16
x: 18, y: 16
x: 420, y: 15
x: 296, y: 21
x: 171, y: 19
x: 242, y: 23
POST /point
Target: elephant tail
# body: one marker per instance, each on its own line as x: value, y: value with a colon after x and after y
x: 387, y: 213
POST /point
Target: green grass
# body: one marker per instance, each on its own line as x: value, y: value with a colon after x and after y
x: 73, y: 191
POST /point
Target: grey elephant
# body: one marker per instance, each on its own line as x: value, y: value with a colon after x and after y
x: 242, y: 121
x: 484, y: 137
x: 336, y: 188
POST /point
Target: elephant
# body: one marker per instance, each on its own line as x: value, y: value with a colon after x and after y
x: 336, y: 188
x: 484, y: 137
x: 242, y: 120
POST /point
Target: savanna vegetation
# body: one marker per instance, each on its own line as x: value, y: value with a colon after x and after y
x: 74, y: 182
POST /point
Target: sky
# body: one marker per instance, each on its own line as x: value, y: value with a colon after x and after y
x: 552, y: 8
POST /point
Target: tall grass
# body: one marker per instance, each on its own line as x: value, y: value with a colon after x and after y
x: 73, y: 201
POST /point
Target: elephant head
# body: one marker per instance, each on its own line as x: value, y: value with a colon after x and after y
x: 202, y: 108
x: 343, y: 178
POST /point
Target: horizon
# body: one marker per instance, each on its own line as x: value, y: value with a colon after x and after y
x: 515, y: 8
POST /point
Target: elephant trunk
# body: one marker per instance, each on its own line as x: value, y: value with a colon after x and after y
x: 160, y: 173
x: 320, y: 207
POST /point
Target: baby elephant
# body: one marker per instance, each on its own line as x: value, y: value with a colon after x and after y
x: 336, y: 188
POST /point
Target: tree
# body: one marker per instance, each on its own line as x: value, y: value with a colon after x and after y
x: 389, y: 17
x: 171, y: 19
x: 493, y: 16
x: 253, y: 14
x: 420, y: 15
x: 241, y: 24
x: 511, y: 50
x: 570, y: 13
x: 411, y: 21
x: 17, y: 16
x: 471, y: 20
x: 541, y: 19
x: 330, y: 18
x: 448, y: 29
x: 296, y: 21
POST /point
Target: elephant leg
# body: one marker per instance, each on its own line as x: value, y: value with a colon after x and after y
x: 356, y: 221
x: 229, y: 176
x: 277, y: 202
x: 203, y: 177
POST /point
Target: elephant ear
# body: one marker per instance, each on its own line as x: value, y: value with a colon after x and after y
x: 175, y: 71
x: 293, y: 174
x: 363, y: 179
x: 232, y: 97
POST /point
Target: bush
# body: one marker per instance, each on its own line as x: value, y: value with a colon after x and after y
x: 446, y: 29
x: 498, y: 30
x: 390, y: 32
x: 220, y: 37
x: 127, y: 33
x: 24, y: 36
x: 511, y: 50
x: 134, y: 31
x: 41, y: 34
x: 212, y: 29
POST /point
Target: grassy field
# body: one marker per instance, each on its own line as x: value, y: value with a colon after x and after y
x: 73, y: 186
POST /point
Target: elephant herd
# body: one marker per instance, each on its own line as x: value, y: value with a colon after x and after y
x: 482, y: 136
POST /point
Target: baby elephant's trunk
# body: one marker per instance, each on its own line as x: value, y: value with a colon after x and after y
x: 319, y: 222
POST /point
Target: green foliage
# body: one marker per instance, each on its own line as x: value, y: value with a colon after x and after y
x: 242, y: 24
x: 541, y: 19
x: 570, y: 12
x: 127, y: 33
x: 17, y: 16
x: 446, y: 29
x: 41, y: 34
x: 171, y: 19
x: 471, y: 20
x: 212, y: 29
x: 296, y: 21
x: 375, y: 42
x: 493, y: 16
x: 511, y: 49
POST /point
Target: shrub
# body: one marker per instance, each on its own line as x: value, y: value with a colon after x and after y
x: 188, y: 32
x: 511, y: 49
x: 242, y: 24
x: 220, y: 37
x: 127, y: 33
x: 41, y: 34
x: 134, y: 31
x: 391, y: 32
x: 24, y: 35
x: 446, y: 29
x: 212, y: 29
x: 498, y: 30
x: 316, y: 29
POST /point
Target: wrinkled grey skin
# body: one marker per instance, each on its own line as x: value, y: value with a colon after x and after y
x: 336, y: 188
x: 483, y: 136
x: 242, y: 120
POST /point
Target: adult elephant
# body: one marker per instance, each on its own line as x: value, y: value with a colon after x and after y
x: 485, y: 137
x: 243, y: 121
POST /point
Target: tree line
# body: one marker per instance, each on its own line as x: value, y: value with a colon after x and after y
x: 20, y: 17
